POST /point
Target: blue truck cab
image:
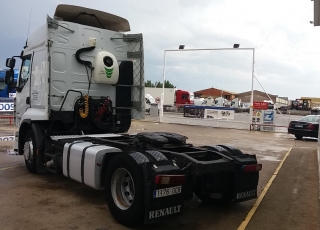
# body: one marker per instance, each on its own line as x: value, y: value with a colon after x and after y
x: 4, y: 89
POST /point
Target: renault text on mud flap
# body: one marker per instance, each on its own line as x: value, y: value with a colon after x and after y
x: 242, y: 195
x: 164, y: 212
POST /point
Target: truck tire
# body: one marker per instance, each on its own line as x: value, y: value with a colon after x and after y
x: 124, y: 187
x: 227, y: 150
x: 157, y: 155
x: 233, y: 151
x: 29, y: 152
x: 298, y: 137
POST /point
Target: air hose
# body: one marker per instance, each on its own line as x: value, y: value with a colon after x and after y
x: 86, y: 49
x: 84, y: 114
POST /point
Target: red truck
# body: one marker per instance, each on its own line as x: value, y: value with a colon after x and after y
x: 172, y: 97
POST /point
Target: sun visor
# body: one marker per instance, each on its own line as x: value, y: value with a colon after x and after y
x: 90, y: 17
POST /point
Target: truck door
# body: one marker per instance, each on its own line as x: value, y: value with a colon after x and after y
x: 23, y: 87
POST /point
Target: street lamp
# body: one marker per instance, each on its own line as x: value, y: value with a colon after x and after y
x: 181, y: 49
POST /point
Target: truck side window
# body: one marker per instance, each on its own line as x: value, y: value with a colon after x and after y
x: 185, y: 96
x: 25, y: 71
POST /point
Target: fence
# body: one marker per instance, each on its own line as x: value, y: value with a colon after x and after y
x: 6, y: 111
x: 237, y: 120
x: 203, y: 116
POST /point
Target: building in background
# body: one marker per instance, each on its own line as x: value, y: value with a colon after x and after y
x: 213, y: 92
x: 262, y: 96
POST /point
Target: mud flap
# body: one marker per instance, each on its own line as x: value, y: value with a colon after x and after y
x: 162, y: 200
x: 245, y: 183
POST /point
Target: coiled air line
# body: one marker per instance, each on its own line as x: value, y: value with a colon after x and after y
x: 84, y: 114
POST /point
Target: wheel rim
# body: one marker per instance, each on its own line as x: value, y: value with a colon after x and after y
x: 28, y: 151
x: 122, y: 188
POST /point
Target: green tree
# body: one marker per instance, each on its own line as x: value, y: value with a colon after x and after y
x: 167, y: 84
x: 148, y: 83
x: 157, y: 84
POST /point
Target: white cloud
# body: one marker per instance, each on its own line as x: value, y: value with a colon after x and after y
x: 287, y: 50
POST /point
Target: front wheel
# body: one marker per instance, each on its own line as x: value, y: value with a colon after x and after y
x: 124, y: 186
x: 298, y: 137
x: 29, y: 152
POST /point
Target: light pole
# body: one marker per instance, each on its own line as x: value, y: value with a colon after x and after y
x: 182, y: 49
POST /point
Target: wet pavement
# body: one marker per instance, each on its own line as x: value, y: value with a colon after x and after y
x: 49, y: 201
x: 292, y: 202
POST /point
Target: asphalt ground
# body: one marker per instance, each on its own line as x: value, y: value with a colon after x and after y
x: 292, y: 201
x: 30, y: 201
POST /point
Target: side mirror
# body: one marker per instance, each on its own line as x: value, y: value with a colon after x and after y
x: 9, y: 79
x: 10, y: 63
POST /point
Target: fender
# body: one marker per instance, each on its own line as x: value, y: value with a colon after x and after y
x: 37, y: 129
x: 23, y: 129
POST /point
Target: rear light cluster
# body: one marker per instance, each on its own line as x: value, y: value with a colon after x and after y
x: 311, y: 126
x: 170, y: 179
x: 252, y: 168
x: 290, y: 125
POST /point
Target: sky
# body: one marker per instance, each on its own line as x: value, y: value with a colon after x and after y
x: 286, y: 44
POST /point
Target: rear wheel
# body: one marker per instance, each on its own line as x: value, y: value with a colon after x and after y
x: 29, y: 152
x: 124, y: 188
x: 298, y: 137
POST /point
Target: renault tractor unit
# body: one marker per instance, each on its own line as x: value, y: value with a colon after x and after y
x: 80, y: 84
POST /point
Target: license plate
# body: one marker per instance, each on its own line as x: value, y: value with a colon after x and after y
x: 246, y: 194
x: 299, y: 126
x: 166, y: 192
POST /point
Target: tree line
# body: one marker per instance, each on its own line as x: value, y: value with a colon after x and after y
x: 167, y: 84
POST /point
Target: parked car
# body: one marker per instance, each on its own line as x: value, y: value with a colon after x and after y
x: 283, y: 109
x: 307, y: 126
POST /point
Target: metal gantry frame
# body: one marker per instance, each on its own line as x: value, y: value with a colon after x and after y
x: 210, y: 49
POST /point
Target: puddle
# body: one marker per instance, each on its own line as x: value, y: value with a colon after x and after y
x: 269, y: 158
x: 10, y: 152
x: 281, y: 135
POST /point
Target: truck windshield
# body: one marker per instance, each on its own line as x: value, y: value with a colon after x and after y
x: 25, y: 72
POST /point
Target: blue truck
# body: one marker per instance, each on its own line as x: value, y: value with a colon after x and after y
x: 5, y: 89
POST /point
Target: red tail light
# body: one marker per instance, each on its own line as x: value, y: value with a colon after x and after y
x: 252, y: 168
x: 290, y: 125
x: 311, y: 126
x: 169, y: 179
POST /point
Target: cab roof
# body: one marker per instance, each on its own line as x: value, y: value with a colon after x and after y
x: 91, y: 17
